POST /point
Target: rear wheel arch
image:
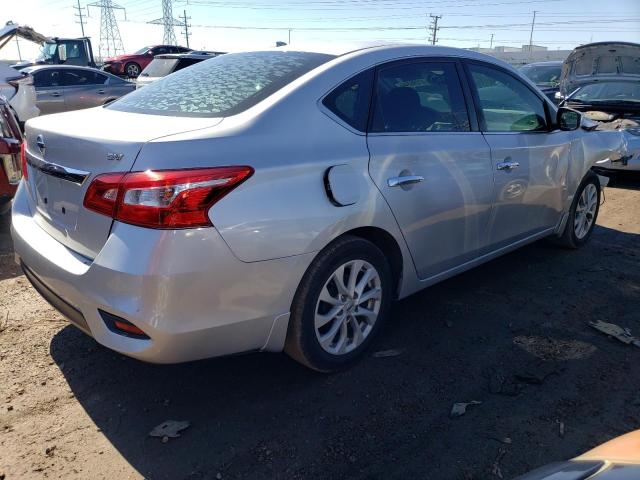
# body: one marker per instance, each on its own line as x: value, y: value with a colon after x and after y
x: 387, y: 245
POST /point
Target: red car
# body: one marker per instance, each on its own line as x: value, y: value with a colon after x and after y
x: 10, y: 141
x: 131, y: 65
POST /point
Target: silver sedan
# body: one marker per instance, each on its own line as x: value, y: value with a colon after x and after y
x: 281, y: 200
x: 61, y: 88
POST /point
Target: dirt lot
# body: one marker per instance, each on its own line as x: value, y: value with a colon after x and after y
x: 512, y: 334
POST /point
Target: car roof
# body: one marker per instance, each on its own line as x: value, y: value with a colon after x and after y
x: 549, y: 63
x: 36, y: 68
x: 198, y: 56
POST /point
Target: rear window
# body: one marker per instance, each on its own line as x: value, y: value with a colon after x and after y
x: 160, y: 67
x: 221, y: 86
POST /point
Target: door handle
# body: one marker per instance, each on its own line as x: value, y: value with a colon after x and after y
x: 101, y: 91
x: 55, y: 94
x: 507, y: 165
x: 404, y: 180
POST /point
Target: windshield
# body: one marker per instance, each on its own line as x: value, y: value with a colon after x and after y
x: 159, y: 67
x: 221, y: 86
x: 547, y: 75
x: 47, y: 52
x: 608, y: 91
x: 141, y: 51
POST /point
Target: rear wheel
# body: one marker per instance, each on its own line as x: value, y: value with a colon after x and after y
x: 132, y: 69
x: 583, y: 214
x: 340, y: 305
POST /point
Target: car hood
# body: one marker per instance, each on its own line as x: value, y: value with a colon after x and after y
x: 121, y: 58
x: 588, y: 54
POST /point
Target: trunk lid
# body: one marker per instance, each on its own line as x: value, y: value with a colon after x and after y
x: 66, y: 151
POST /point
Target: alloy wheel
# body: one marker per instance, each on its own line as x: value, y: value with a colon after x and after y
x: 348, y: 307
x: 585, y: 211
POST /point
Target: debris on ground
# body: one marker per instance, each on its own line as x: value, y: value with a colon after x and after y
x: 505, y: 440
x: 501, y: 383
x: 537, y: 373
x: 615, y: 331
x: 49, y: 450
x: 169, y: 429
x: 460, y: 409
x: 388, y: 353
x: 496, y: 470
x: 546, y: 348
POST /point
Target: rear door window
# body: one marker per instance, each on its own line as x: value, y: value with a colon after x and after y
x: 77, y: 77
x: 419, y: 97
x: 221, y: 86
x: 47, y: 78
x: 350, y: 101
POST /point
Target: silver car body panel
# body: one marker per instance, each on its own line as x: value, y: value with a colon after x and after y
x: 228, y: 288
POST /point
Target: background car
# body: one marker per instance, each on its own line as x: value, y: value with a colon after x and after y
x: 130, y: 65
x: 10, y: 168
x: 546, y: 76
x: 17, y: 88
x: 163, y: 65
x: 617, y: 459
x: 599, y: 62
x: 60, y: 88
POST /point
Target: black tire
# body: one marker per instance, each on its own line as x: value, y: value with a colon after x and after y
x: 302, y: 343
x: 569, y: 239
x: 132, y: 69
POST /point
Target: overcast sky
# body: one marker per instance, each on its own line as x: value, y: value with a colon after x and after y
x: 560, y: 24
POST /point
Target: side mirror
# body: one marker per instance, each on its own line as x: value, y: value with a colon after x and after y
x: 568, y: 119
x: 62, y: 53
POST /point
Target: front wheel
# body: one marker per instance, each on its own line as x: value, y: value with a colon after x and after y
x: 132, y: 69
x: 582, y: 215
x: 340, y: 305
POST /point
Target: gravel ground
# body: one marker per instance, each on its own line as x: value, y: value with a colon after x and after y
x: 511, y: 334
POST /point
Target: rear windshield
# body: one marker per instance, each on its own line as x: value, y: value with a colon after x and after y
x: 221, y: 86
x: 159, y: 67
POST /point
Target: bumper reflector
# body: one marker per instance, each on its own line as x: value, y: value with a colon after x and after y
x: 121, y: 326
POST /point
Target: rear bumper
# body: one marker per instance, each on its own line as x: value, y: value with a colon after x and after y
x: 184, y: 289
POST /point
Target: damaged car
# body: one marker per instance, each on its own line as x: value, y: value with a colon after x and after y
x: 283, y: 199
x: 604, y: 80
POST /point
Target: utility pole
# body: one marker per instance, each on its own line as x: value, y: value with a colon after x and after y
x: 79, y: 14
x: 18, y: 46
x: 434, y: 27
x: 533, y: 22
x: 185, y: 22
x: 491, y: 43
x: 289, y: 43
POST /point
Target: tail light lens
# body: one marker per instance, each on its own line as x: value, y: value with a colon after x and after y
x: 24, y: 80
x: 23, y: 160
x: 163, y: 198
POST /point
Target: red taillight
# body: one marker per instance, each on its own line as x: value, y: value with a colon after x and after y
x: 163, y: 198
x: 24, y: 80
x: 23, y: 160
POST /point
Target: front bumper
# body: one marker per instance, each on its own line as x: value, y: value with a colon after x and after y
x: 629, y: 163
x: 116, y: 68
x: 183, y: 288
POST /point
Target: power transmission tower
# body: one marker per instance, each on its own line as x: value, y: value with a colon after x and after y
x: 185, y: 22
x: 110, y: 40
x: 434, y: 27
x: 167, y: 20
x: 79, y: 15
